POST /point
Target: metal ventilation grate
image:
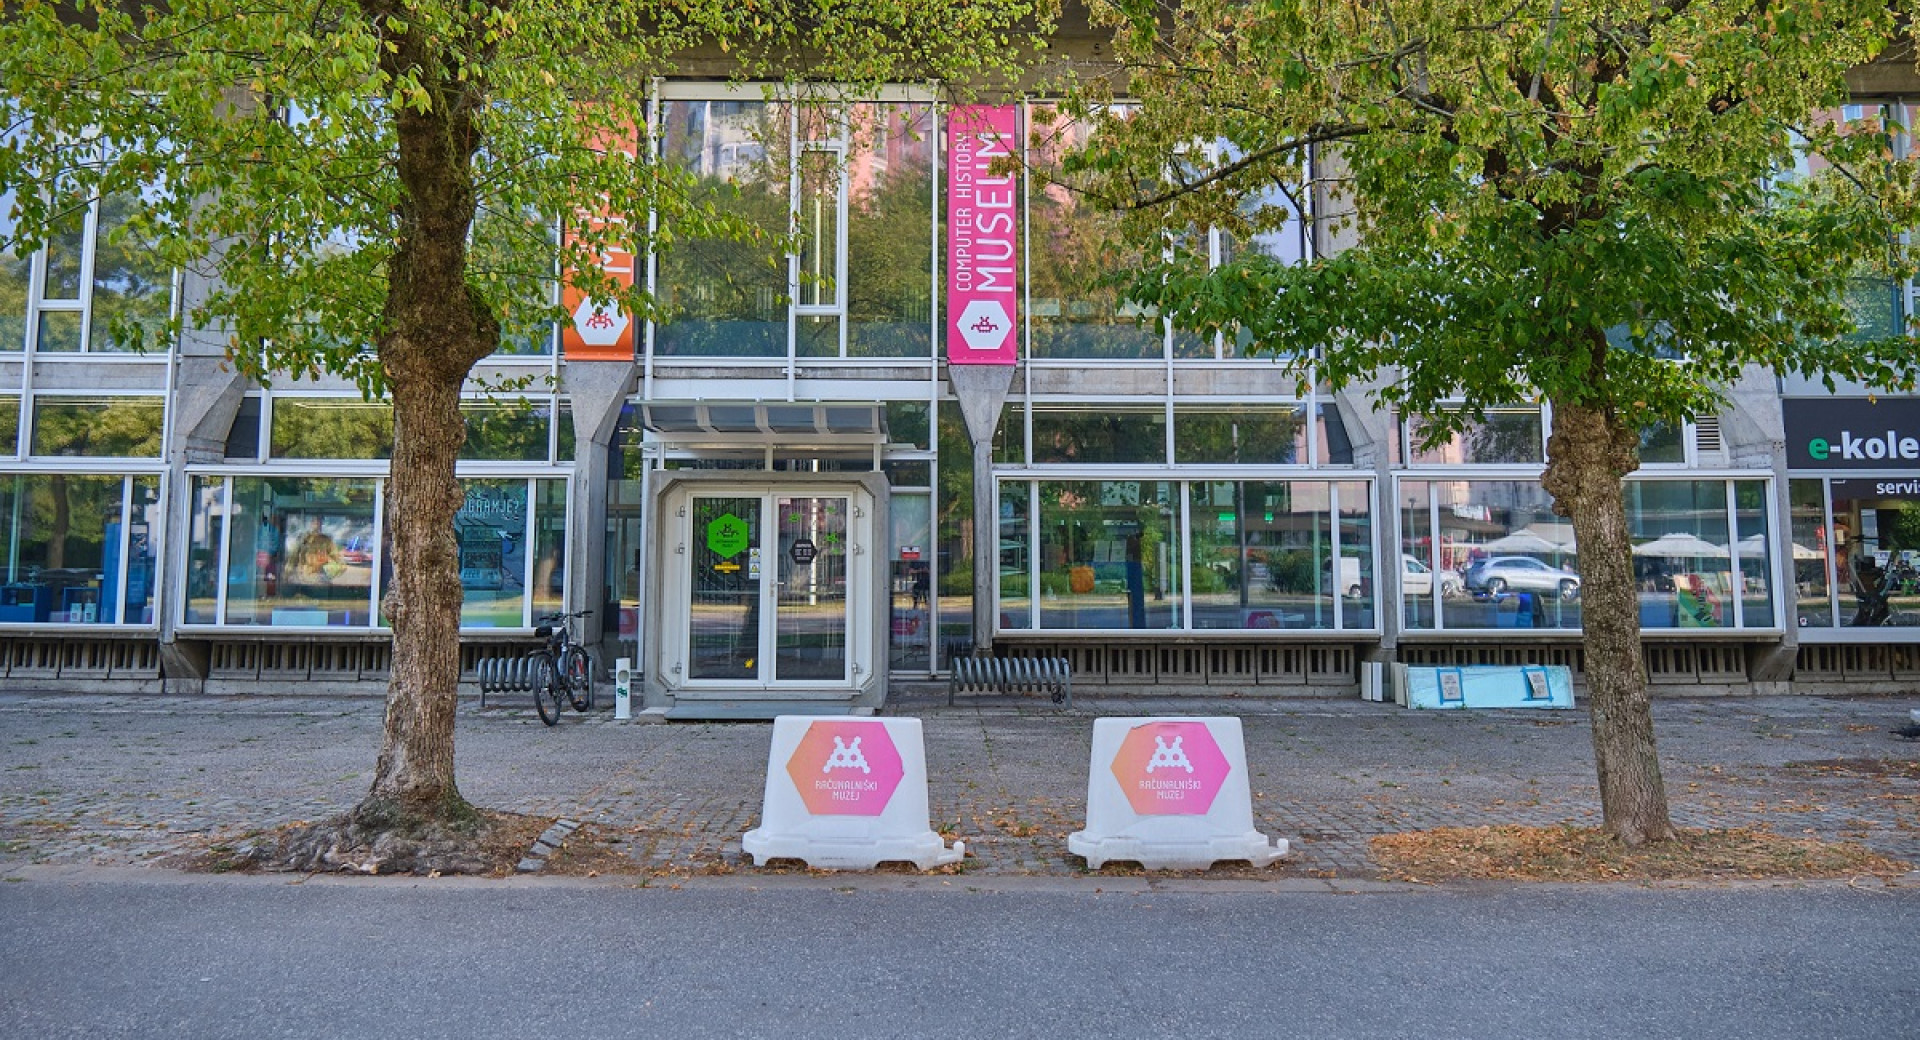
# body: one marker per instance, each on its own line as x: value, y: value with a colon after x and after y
x: 1706, y: 433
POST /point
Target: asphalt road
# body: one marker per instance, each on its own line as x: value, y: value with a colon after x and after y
x: 89, y: 952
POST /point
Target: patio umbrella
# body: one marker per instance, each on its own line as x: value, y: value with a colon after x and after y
x: 1520, y: 542
x: 1679, y: 543
x: 1754, y: 545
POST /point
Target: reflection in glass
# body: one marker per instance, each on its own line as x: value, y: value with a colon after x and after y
x: 727, y: 298
x: 1078, y: 259
x: 1813, y: 607
x: 1507, y: 436
x: 1096, y: 434
x: 1016, y: 583
x: 130, y: 286
x: 910, y: 583
x: 491, y: 529
x: 1876, y: 532
x: 506, y: 429
x: 1681, y: 553
x: 118, y: 427
x: 332, y: 428
x: 1109, y: 555
x: 1239, y: 434
x: 73, y: 554
x: 1515, y: 558
x: 1756, y: 554
x: 724, y: 615
x: 1356, y: 556
x: 302, y: 552
x: 208, y: 520
x: 810, y: 616
x: 889, y: 232
x: 1260, y: 554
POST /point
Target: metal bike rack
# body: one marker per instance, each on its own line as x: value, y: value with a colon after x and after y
x: 1006, y: 674
x: 506, y: 675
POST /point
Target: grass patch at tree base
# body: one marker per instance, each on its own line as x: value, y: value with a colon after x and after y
x: 1566, y: 853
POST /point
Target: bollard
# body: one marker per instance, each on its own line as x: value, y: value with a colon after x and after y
x: 623, y: 688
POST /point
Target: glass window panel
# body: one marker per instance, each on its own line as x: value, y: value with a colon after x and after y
x: 889, y: 232
x: 724, y: 617
x: 1336, y: 447
x: 514, y: 253
x: 564, y: 435
x: 1079, y: 261
x: 208, y: 520
x: 131, y: 287
x: 1516, y: 558
x: 66, y: 240
x: 59, y: 332
x: 550, y: 548
x: 819, y: 227
x: 332, y: 428
x: 1876, y: 529
x: 1247, y: 434
x: 302, y: 552
x: 1681, y: 555
x: 1755, y: 547
x: 816, y: 336
x: 1109, y: 555
x: 727, y: 298
x: 908, y: 473
x: 1259, y: 550
x: 907, y: 423
x: 491, y: 529
x: 1663, y: 444
x: 1016, y: 592
x: 16, y: 269
x: 64, y: 549
x: 142, y: 563
x: 96, y: 427
x: 910, y: 583
x: 1356, y: 574
x: 243, y: 437
x: 953, y: 527
x: 507, y: 429
x: 1113, y: 433
x: 9, y: 425
x: 1507, y: 436
x: 1009, y: 438
x: 1807, y: 522
x: 1421, y: 581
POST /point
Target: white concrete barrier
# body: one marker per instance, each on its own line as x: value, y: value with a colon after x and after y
x: 847, y: 794
x: 1170, y: 794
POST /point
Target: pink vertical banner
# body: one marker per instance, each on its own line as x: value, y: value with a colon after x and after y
x: 983, y: 236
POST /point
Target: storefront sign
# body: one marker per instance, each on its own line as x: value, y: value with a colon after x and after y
x: 726, y: 535
x: 1840, y: 433
x: 983, y: 239
x: 600, y: 330
x: 803, y: 551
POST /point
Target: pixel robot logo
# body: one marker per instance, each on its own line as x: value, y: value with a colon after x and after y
x: 846, y: 768
x: 1170, y: 768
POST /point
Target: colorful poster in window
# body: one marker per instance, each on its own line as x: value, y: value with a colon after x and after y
x: 983, y: 237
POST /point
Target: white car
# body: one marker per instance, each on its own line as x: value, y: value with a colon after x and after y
x: 1416, y: 578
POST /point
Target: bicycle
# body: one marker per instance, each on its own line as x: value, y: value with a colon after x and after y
x: 561, y: 668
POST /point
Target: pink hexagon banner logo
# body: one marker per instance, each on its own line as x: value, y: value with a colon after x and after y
x: 846, y: 768
x: 1170, y: 768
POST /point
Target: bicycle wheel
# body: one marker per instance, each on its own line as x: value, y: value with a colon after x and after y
x: 579, y: 672
x: 546, y: 690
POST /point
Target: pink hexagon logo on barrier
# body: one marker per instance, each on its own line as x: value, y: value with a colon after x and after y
x: 1170, y: 768
x: 846, y: 768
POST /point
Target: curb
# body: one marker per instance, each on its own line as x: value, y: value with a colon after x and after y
x: 546, y: 845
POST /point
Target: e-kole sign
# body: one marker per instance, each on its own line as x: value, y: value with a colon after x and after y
x: 1826, y: 434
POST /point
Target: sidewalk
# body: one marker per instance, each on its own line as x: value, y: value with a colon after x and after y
x: 123, y: 780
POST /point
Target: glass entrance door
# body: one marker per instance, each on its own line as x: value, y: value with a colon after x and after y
x: 768, y: 571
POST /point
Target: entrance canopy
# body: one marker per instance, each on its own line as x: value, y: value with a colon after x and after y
x: 809, y: 420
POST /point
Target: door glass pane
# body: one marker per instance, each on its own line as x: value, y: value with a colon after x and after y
x: 724, y: 619
x: 812, y: 571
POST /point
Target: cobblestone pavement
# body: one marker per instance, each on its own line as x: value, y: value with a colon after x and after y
x: 109, y: 779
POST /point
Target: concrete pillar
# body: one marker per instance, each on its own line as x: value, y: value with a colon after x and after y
x: 596, y: 390
x: 206, y: 396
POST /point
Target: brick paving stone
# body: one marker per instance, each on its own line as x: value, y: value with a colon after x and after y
x: 114, y: 779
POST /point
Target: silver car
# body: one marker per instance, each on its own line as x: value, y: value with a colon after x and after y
x: 1496, y: 574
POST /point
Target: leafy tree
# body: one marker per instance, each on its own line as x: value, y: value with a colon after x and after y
x: 1510, y: 182
x: 322, y: 165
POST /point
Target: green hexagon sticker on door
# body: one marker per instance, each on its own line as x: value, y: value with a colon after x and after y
x: 727, y: 536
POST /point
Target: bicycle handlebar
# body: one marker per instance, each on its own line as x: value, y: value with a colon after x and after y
x: 559, y: 616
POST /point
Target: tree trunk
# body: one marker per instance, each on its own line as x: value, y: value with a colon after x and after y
x: 436, y: 330
x: 1587, y: 457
